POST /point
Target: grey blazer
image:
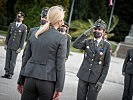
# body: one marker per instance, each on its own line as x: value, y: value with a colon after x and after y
x: 44, y: 58
x: 15, y: 36
x: 96, y: 61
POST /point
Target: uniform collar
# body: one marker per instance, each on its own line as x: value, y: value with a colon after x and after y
x: 19, y: 23
x: 98, y: 40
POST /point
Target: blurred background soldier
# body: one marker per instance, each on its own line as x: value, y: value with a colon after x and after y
x: 105, y: 37
x: 95, y: 65
x: 14, y: 43
x: 127, y: 71
x: 64, y: 30
x: 43, y: 21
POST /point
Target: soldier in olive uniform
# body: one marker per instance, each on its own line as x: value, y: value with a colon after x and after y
x: 64, y: 30
x: 14, y: 43
x: 127, y: 71
x: 95, y: 65
x: 43, y: 21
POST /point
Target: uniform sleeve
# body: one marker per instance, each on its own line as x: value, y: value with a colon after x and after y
x: 30, y: 32
x: 125, y: 62
x: 79, y: 43
x: 68, y: 46
x: 23, y: 37
x: 106, y: 64
x: 8, y: 34
x: 26, y: 56
x: 60, y: 67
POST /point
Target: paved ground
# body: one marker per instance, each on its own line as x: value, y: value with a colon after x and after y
x: 112, y: 88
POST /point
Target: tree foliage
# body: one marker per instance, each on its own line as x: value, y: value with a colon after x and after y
x: 32, y: 9
x: 3, y: 12
x: 90, y: 9
x: 84, y: 10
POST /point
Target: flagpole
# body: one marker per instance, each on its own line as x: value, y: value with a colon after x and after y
x: 71, y: 12
x: 111, y: 14
x: 69, y: 21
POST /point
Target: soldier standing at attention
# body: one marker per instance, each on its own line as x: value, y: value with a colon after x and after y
x: 64, y: 30
x: 127, y: 71
x: 95, y: 65
x: 14, y: 44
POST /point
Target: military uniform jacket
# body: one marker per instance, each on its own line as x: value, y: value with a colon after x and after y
x: 15, y: 36
x: 128, y: 63
x: 44, y: 58
x: 96, y: 61
x: 32, y: 31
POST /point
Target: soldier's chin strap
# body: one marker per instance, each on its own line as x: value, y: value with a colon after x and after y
x: 88, y: 32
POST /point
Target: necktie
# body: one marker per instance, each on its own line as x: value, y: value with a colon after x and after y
x: 95, y: 45
x: 17, y: 25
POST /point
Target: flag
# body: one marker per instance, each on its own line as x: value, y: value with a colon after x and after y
x: 110, y: 3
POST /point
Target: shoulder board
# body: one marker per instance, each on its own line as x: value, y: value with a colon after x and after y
x: 69, y: 35
x: 24, y: 25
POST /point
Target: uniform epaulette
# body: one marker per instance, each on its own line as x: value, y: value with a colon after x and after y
x: 107, y: 41
x: 69, y: 35
x: 24, y: 25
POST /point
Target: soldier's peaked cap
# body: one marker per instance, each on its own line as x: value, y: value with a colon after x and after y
x: 65, y: 24
x: 20, y: 13
x: 44, y: 11
x: 100, y: 23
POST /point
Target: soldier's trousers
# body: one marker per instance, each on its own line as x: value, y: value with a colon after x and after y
x: 128, y: 87
x: 86, y: 90
x: 10, y: 62
x: 35, y: 89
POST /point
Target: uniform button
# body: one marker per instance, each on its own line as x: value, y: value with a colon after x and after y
x: 89, y: 69
x: 13, y: 39
x: 92, y: 59
x: 91, y: 64
x: 93, y: 55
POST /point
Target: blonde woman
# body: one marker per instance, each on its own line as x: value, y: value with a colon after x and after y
x: 43, y: 63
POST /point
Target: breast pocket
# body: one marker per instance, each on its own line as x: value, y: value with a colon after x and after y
x: 20, y: 31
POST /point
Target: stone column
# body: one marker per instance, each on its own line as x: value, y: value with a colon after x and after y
x: 122, y: 47
x: 129, y: 38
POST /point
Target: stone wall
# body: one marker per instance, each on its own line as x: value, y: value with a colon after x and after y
x: 121, y: 50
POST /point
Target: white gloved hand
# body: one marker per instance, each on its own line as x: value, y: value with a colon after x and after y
x: 18, y: 51
x: 123, y: 73
x: 98, y: 86
x: 5, y: 47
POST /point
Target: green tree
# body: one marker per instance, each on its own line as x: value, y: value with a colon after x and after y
x: 90, y: 9
x: 124, y: 10
x: 32, y: 9
x: 3, y: 12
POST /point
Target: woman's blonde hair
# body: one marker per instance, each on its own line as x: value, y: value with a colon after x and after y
x: 55, y: 13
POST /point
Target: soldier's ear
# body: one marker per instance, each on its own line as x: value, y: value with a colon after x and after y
x: 22, y: 18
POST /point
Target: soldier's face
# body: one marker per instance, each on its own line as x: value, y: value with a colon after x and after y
x: 20, y: 18
x: 98, y: 32
x: 97, y: 29
x: 43, y: 18
x: 43, y: 21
